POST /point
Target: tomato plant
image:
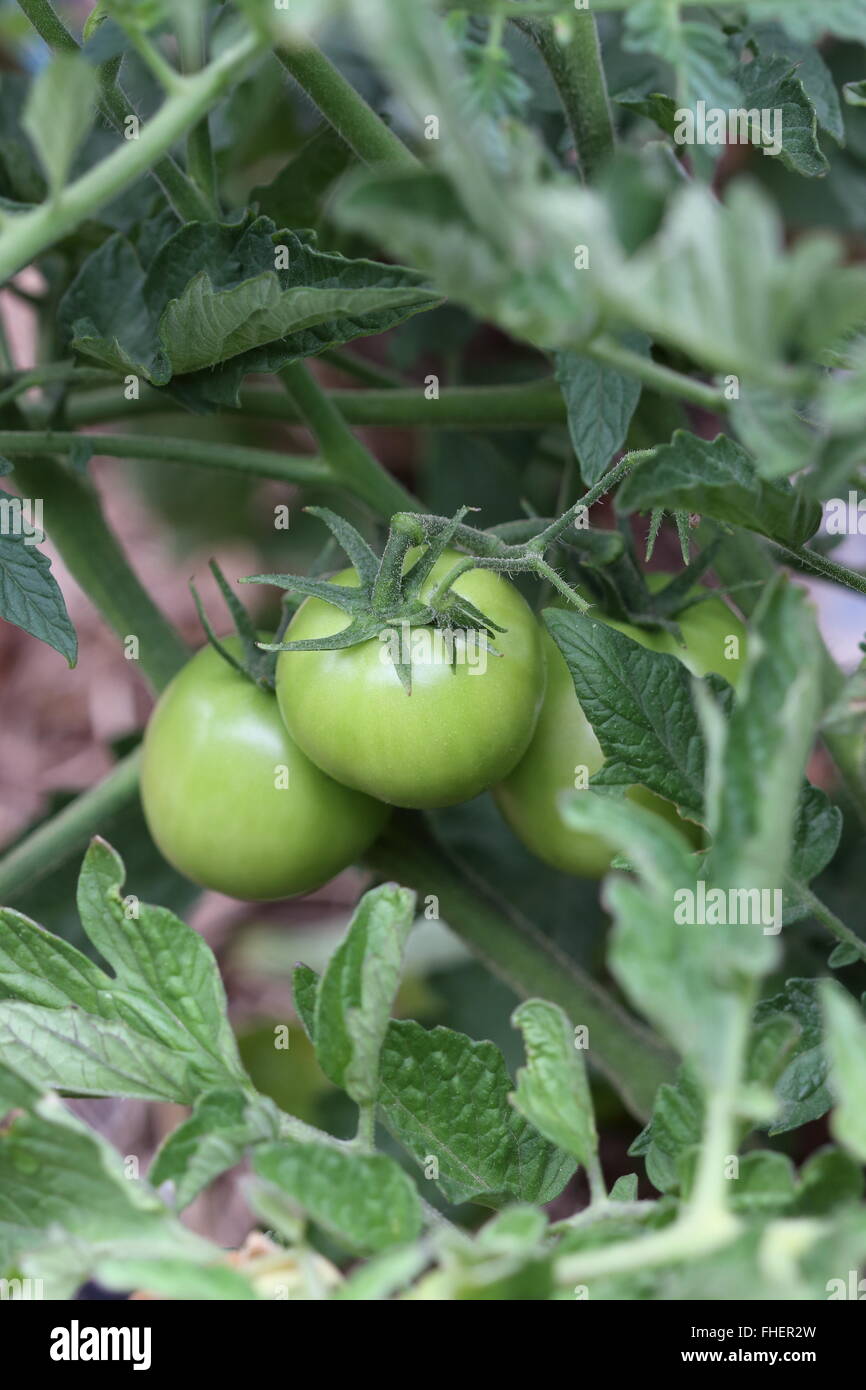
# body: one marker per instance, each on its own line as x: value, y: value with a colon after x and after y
x: 463, y: 722
x: 230, y: 799
x: 511, y: 356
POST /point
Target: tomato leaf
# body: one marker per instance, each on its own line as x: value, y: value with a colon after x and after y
x: 801, y: 1086
x: 600, y: 402
x: 356, y: 992
x: 365, y: 1201
x: 773, y: 84
x: 719, y: 480
x: 223, y: 1125
x: 156, y: 1029
x: 552, y: 1089
x: 640, y: 706
x: 445, y: 1098
x: 30, y: 596
x: 84, y: 1217
x: 846, y: 1049
x: 59, y: 112
x: 218, y: 300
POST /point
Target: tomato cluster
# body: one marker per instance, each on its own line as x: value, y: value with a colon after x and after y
x: 265, y: 795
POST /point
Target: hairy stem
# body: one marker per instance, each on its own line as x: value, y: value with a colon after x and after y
x: 576, y: 68
x: 815, y: 563
x: 237, y: 458
x: 460, y: 407
x: 51, y: 844
x: 362, y: 369
x: 662, y: 379
x: 828, y: 919
x: 363, y: 131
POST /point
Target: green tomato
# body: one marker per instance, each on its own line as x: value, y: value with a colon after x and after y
x: 232, y: 802
x: 462, y: 728
x: 564, y: 740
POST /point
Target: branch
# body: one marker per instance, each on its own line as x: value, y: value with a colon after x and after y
x: 662, y: 379
x: 522, y: 406
x: 576, y: 68
x: 115, y: 106
x: 25, y: 235
x: 51, y: 844
x: 363, y: 131
x: 237, y: 458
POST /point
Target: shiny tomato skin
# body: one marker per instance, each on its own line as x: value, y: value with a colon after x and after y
x: 459, y: 730
x: 564, y: 740
x: 232, y: 802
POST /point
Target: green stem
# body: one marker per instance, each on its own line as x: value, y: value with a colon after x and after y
x: 597, y: 1185
x: 578, y: 74
x: 521, y: 406
x: 706, y: 1221
x: 614, y: 475
x: 167, y: 76
x: 365, y: 1139
x: 363, y: 131
x: 49, y: 373
x: 662, y: 379
x: 237, y: 458
x: 74, y: 521
x: 350, y: 463
x: 683, y: 1240
x: 116, y: 107
x: 627, y: 1053
x: 51, y: 844
x: 815, y: 563
x: 828, y: 919
x: 460, y: 407
x: 7, y: 361
x: 199, y: 150
x: 708, y: 1200
x: 362, y: 369
x: 26, y: 234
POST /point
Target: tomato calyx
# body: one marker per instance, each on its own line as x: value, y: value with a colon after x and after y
x: 258, y: 662
x: 389, y: 597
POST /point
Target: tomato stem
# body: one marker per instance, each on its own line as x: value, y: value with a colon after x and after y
x: 116, y: 107
x: 351, y: 116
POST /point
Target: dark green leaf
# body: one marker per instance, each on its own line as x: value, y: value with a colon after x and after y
x: 29, y: 594
x: 718, y: 479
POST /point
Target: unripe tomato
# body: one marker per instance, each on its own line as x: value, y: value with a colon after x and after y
x: 462, y: 728
x: 564, y: 740
x: 229, y: 798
